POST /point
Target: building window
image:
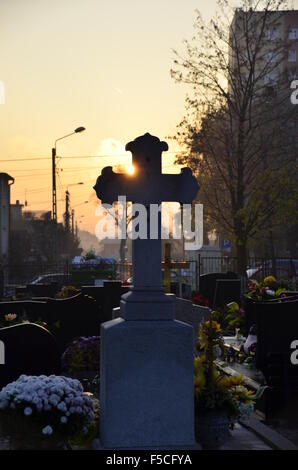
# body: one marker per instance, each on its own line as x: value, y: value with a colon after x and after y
x: 292, y: 75
x: 292, y: 55
x: 293, y: 33
x: 270, y: 79
x: 272, y: 33
x: 271, y: 57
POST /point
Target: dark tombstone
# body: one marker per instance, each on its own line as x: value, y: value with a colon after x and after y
x: 226, y: 290
x: 252, y: 307
x: 1, y: 282
x: 207, y: 284
x: 38, y: 290
x: 107, y: 297
x: 277, y: 328
x: 77, y: 316
x: 43, y: 290
x: 28, y: 349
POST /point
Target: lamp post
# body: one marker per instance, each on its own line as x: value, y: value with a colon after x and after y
x: 54, y: 190
x: 54, y: 195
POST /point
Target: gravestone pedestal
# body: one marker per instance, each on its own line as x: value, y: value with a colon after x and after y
x: 146, y: 384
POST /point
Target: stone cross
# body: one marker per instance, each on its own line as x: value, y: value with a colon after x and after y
x: 168, y: 264
x: 147, y: 186
x: 146, y: 366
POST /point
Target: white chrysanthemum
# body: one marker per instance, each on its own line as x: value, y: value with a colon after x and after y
x: 54, y: 399
x: 62, y: 406
x: 28, y: 411
x: 47, y: 430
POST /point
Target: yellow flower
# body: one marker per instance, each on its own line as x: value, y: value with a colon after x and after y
x: 199, y: 374
x: 269, y: 280
x: 233, y: 380
x: 10, y: 316
x: 214, y: 325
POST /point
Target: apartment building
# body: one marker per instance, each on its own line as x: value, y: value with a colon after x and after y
x: 275, y: 34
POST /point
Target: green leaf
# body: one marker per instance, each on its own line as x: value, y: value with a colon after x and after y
x: 233, y: 307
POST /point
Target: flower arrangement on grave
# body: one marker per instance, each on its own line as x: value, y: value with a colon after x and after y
x: 268, y: 289
x: 231, y: 317
x: 216, y: 395
x: 67, y: 291
x: 45, y: 408
x: 82, y: 355
x: 10, y: 319
x: 85, y: 438
x: 200, y: 299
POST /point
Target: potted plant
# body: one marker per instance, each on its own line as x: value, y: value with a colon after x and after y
x: 268, y: 289
x: 230, y: 317
x: 40, y: 412
x: 219, y: 400
x: 81, y: 358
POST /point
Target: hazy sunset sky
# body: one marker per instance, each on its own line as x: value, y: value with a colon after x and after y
x: 101, y: 64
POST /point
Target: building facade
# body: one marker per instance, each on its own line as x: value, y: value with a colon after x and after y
x: 5, y: 182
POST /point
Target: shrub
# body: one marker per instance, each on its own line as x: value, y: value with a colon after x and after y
x: 82, y: 355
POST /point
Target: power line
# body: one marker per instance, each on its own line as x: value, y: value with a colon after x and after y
x: 77, y: 156
x: 69, y: 170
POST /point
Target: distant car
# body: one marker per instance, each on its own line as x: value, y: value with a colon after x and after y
x: 53, y: 278
x: 286, y: 268
x: 174, y: 277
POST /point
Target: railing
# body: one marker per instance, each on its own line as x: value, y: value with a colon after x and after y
x: 27, y: 272
x: 257, y: 268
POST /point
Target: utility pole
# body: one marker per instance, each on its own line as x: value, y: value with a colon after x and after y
x: 67, y: 214
x: 54, y: 208
x: 72, y: 222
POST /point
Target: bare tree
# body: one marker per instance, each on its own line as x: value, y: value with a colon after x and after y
x: 237, y: 126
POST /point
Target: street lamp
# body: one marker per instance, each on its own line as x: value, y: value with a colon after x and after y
x: 54, y: 195
x: 54, y: 192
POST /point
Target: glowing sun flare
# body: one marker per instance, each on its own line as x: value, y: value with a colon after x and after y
x: 130, y: 169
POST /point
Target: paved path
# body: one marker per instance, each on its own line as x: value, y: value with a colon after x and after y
x: 240, y: 439
x: 243, y: 439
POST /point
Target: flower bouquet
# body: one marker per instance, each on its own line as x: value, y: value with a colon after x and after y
x: 41, y: 411
x: 10, y: 319
x: 230, y: 317
x: 200, y: 299
x: 219, y: 400
x: 82, y: 355
x: 268, y: 289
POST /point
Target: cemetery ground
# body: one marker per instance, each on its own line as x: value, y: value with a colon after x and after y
x: 278, y: 430
x: 134, y: 367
